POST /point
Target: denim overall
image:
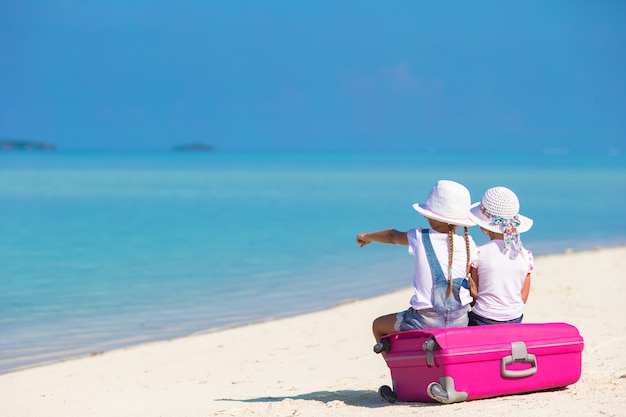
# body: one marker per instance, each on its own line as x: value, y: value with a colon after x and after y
x: 446, y: 311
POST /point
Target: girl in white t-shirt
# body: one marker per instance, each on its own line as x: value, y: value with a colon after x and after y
x: 500, y: 275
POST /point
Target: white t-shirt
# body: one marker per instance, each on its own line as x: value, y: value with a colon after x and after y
x: 500, y: 281
x: 422, y: 276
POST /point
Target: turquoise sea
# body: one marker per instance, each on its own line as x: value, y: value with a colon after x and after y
x: 104, y: 250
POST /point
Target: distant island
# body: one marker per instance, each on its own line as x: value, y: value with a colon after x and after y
x: 194, y: 147
x: 25, y: 145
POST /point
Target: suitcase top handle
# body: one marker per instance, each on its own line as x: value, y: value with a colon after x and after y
x: 518, y: 354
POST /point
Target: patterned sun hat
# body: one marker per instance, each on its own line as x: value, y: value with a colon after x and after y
x: 498, y: 211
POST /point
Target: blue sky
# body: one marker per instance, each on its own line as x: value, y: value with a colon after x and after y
x: 315, y: 75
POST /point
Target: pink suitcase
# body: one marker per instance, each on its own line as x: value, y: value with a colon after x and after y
x: 484, y: 361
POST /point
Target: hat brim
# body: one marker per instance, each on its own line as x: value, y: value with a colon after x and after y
x: 525, y: 222
x: 427, y: 213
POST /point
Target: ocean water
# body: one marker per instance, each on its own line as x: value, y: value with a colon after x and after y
x: 104, y: 250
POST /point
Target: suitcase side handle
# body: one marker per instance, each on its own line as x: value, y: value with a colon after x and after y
x: 518, y: 354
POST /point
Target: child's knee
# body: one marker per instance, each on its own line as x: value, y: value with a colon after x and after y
x: 383, y: 325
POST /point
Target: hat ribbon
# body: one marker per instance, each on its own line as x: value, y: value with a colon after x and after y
x: 509, y: 226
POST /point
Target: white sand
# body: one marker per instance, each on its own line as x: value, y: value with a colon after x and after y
x: 322, y: 364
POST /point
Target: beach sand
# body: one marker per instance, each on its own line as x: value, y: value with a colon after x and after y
x: 322, y: 364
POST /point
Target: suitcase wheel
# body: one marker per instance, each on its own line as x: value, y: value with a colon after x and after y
x: 382, y: 346
x: 444, y: 392
x: 437, y: 393
x: 387, y: 393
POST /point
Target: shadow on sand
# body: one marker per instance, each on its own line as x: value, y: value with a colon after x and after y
x: 355, y: 398
x: 359, y: 398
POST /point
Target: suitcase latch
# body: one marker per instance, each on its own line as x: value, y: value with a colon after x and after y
x: 429, y: 346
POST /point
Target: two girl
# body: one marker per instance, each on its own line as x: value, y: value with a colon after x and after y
x: 498, y: 273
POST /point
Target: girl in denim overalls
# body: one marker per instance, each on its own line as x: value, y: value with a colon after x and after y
x: 441, y: 295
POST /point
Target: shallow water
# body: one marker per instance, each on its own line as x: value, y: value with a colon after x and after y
x: 104, y: 250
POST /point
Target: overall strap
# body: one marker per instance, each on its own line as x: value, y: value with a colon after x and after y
x: 435, y: 267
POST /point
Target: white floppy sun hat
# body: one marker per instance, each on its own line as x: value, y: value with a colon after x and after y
x: 499, y: 210
x: 447, y: 202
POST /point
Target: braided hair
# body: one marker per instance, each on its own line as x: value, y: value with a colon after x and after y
x: 451, y: 230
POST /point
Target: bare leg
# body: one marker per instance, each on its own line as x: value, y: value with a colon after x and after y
x: 383, y: 326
